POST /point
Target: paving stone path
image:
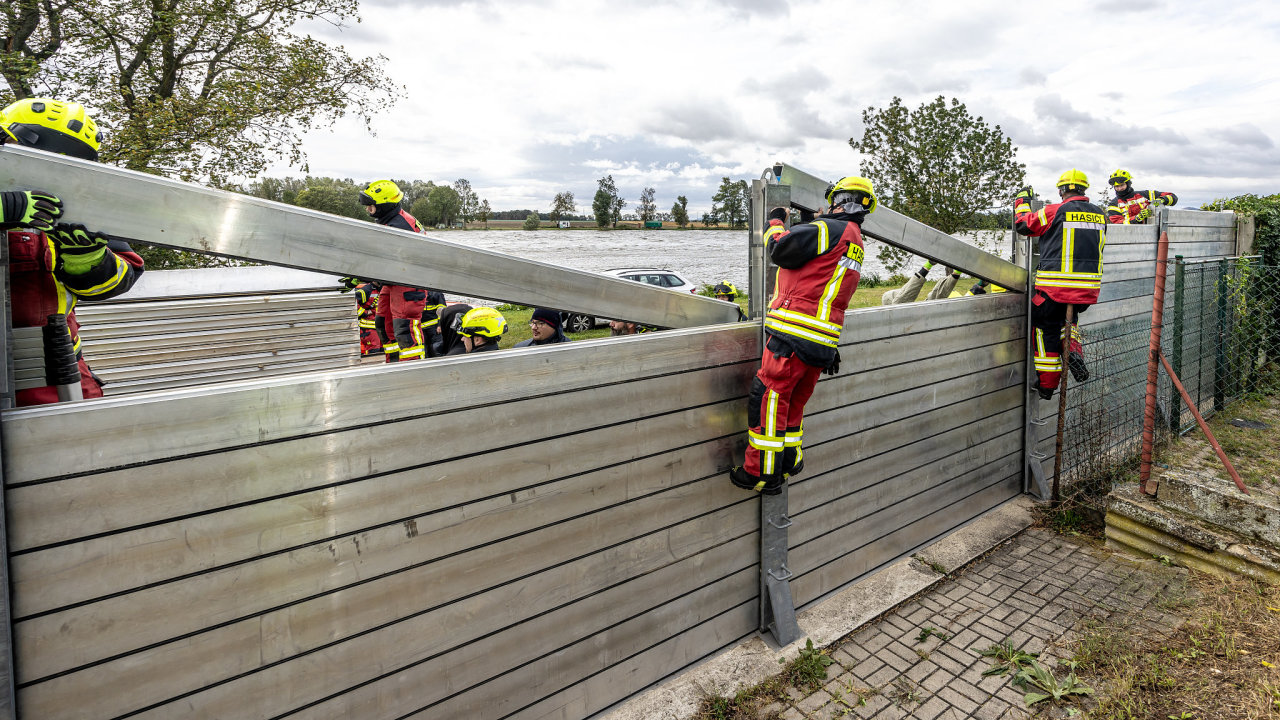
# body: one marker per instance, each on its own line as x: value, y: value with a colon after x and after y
x: 1034, y: 590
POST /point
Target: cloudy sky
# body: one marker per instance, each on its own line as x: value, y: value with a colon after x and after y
x: 527, y: 99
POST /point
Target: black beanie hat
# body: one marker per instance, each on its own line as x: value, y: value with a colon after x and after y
x: 550, y: 317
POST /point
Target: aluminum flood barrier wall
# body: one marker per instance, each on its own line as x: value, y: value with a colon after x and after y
x: 527, y: 534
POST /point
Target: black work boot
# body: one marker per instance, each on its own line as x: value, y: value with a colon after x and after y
x: 769, y: 485
x: 1045, y: 393
x: 792, y: 458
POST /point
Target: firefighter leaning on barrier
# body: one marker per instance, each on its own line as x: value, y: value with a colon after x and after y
x: 399, y: 316
x: 51, y: 266
x: 819, y: 264
x: 1072, y: 235
x: 366, y: 296
x: 1133, y: 207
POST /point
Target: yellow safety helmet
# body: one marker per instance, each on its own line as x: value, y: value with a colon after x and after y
x: 863, y: 194
x: 726, y: 288
x: 1074, y: 177
x: 483, y: 321
x: 1120, y: 177
x: 53, y: 125
x: 379, y: 192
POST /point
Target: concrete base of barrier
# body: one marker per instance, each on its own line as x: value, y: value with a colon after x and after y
x: 1164, y: 527
x: 828, y: 619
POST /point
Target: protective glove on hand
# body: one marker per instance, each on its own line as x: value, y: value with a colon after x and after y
x: 79, y: 249
x: 35, y: 209
x: 1026, y: 193
x: 779, y: 213
x: 834, y: 367
x: 1142, y: 216
x: 349, y: 283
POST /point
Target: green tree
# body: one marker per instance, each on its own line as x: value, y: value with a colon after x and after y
x: 602, y: 203
x: 646, y: 208
x: 531, y: 222
x: 339, y: 197
x: 441, y: 206
x: 189, y: 89
x: 468, y: 203
x: 615, y: 203
x: 484, y: 213
x: 730, y: 202
x: 937, y: 164
x: 710, y: 219
x: 680, y: 211
x: 562, y: 205
x: 284, y: 190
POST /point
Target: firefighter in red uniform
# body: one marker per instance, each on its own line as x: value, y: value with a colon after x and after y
x: 819, y: 264
x: 399, y: 316
x: 1072, y: 235
x: 366, y: 313
x: 52, y: 266
x: 1133, y: 207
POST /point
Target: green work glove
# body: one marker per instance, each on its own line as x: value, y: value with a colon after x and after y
x: 1026, y: 193
x: 35, y: 209
x: 349, y: 283
x: 79, y: 250
x: 1142, y: 216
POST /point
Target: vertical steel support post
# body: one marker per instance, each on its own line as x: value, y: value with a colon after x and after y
x: 777, y: 610
x: 1220, y: 355
x: 1179, y: 284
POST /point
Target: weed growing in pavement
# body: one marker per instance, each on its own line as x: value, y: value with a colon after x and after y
x: 903, y: 691
x: 1047, y: 685
x: 809, y: 669
x: 930, y: 630
x: 1008, y: 658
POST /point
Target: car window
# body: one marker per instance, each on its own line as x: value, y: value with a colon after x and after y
x: 671, y: 281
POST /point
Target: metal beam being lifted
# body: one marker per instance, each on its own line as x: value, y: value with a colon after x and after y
x: 808, y: 193
x: 136, y: 206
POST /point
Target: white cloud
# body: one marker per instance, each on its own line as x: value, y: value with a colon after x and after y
x: 529, y: 99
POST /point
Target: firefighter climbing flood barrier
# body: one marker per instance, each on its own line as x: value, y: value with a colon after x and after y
x: 526, y: 534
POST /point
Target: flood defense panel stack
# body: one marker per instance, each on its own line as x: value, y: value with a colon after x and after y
x: 520, y: 535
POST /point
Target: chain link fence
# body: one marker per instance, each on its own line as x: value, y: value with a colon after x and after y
x: 1220, y: 332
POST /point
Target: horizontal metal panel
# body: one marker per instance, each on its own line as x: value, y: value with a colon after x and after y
x: 137, y: 206
x: 120, y: 388
x: 1200, y: 244
x: 162, y: 326
x: 609, y: 685
x: 110, y: 501
x: 885, y: 225
x: 145, y: 428
x: 891, y: 321
x: 982, y: 369
x: 106, y: 313
x: 1124, y: 289
x: 902, y: 540
x: 855, y: 396
x: 245, y: 280
x: 437, y: 680
x: 1199, y: 218
x: 842, y: 468
x: 885, y: 492
x: 201, y: 660
x: 1119, y: 253
x: 1131, y: 235
x: 843, y: 422
x: 334, y: 340
x: 112, y: 564
x: 1118, y: 310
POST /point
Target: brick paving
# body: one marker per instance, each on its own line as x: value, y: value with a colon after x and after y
x: 1033, y: 590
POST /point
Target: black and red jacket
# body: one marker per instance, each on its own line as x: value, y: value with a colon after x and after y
x: 1072, y: 235
x: 819, y: 265
x: 1124, y: 209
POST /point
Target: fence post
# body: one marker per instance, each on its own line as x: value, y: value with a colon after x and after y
x: 1220, y: 356
x: 1179, y: 283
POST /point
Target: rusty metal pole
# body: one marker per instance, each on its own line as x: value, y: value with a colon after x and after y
x: 1204, y: 426
x: 1062, y: 402
x: 1153, y: 364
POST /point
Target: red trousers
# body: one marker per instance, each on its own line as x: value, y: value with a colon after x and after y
x: 401, y: 308
x: 775, y: 412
